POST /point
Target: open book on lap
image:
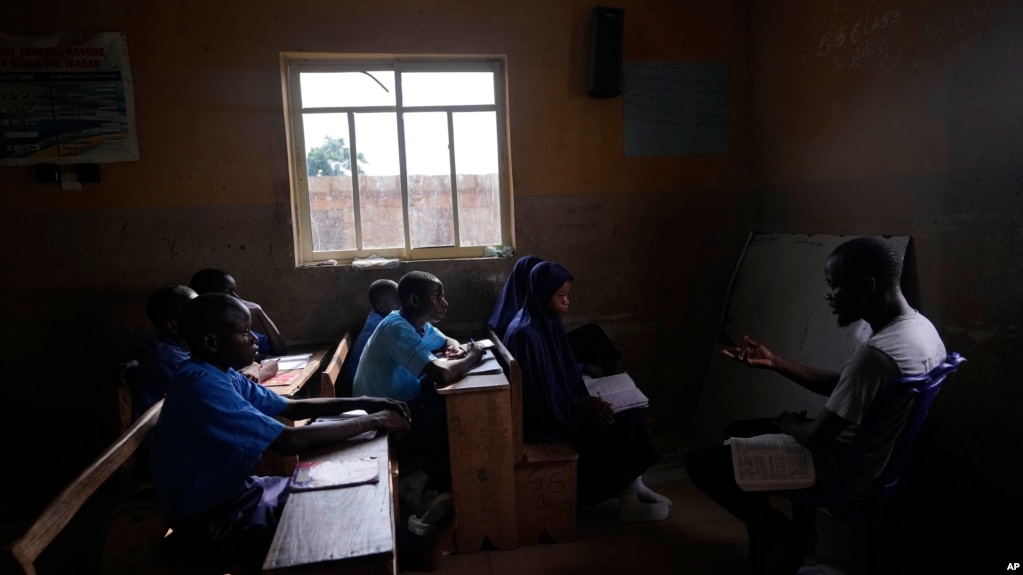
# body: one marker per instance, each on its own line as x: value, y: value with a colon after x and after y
x: 770, y: 462
x: 619, y: 390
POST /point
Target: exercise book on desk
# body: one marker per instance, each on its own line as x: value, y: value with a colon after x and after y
x: 282, y: 379
x: 311, y: 475
x: 370, y: 434
x: 487, y: 364
x: 292, y: 362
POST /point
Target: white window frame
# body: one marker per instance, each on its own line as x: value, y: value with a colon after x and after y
x: 293, y: 64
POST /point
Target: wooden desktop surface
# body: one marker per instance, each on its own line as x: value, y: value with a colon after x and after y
x: 287, y: 383
x: 345, y: 529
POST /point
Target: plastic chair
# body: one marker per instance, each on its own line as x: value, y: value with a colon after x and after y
x: 867, y: 514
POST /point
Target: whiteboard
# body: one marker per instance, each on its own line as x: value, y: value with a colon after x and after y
x: 777, y: 298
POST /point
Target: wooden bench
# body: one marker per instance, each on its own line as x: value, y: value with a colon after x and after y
x: 328, y: 379
x: 545, y: 474
x: 20, y: 556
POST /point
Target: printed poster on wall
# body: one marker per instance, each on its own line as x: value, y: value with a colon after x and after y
x: 66, y: 99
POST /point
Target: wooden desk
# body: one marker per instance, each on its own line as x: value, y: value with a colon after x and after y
x: 347, y: 529
x: 289, y: 383
x: 482, y: 461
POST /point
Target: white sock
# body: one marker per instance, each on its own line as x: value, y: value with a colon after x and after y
x: 647, y: 495
x: 631, y: 509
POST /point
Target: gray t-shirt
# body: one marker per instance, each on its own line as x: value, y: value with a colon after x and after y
x: 908, y: 345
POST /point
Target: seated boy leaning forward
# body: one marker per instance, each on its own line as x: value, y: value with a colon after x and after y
x: 399, y: 363
x: 162, y: 357
x: 383, y: 298
x: 269, y: 338
x: 216, y: 424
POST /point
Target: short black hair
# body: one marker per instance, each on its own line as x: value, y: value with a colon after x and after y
x: 209, y: 280
x: 167, y: 302
x: 207, y: 313
x: 417, y: 283
x: 871, y: 256
x: 381, y: 289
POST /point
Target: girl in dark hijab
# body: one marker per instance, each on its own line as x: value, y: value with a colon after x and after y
x: 614, y: 448
x: 512, y: 295
x: 595, y: 352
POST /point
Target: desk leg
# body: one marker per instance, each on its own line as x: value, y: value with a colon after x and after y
x: 482, y: 469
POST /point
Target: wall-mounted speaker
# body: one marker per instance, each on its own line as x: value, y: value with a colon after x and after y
x: 606, y: 52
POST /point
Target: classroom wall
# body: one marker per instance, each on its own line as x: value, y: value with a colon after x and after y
x: 652, y: 241
x: 906, y: 117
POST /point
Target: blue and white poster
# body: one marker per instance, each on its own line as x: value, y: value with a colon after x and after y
x: 66, y: 99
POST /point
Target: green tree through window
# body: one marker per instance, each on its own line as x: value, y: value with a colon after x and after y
x: 333, y: 158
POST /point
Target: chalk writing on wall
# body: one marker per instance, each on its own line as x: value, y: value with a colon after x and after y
x: 855, y: 37
x: 880, y: 36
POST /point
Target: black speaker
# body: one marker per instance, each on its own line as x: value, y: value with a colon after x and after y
x: 606, y: 52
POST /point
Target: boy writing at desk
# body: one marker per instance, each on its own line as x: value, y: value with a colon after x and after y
x: 215, y: 425
x: 398, y: 363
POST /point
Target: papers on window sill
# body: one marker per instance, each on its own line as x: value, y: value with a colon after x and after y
x: 292, y: 362
x: 375, y: 262
x: 772, y: 461
x: 619, y: 390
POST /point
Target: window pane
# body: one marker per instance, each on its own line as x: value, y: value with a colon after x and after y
x: 447, y: 88
x: 328, y: 167
x: 429, y: 180
x: 337, y: 89
x: 376, y: 137
x: 479, y: 189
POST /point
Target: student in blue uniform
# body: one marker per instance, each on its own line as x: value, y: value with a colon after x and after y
x: 399, y: 363
x: 383, y: 298
x: 269, y: 339
x: 216, y: 424
x: 614, y: 448
x: 161, y: 357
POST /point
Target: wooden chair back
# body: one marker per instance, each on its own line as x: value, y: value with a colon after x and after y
x: 513, y: 372
x: 329, y: 377
x: 20, y: 556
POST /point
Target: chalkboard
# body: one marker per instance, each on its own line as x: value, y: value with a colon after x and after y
x: 777, y: 298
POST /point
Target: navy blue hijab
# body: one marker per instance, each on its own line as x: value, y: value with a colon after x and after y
x: 512, y: 295
x: 552, y: 386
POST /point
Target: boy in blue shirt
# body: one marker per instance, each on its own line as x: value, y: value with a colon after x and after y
x: 216, y: 424
x: 383, y: 297
x: 161, y: 357
x: 399, y: 363
x: 269, y: 339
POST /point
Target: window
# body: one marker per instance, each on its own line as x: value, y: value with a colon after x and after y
x: 397, y: 157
